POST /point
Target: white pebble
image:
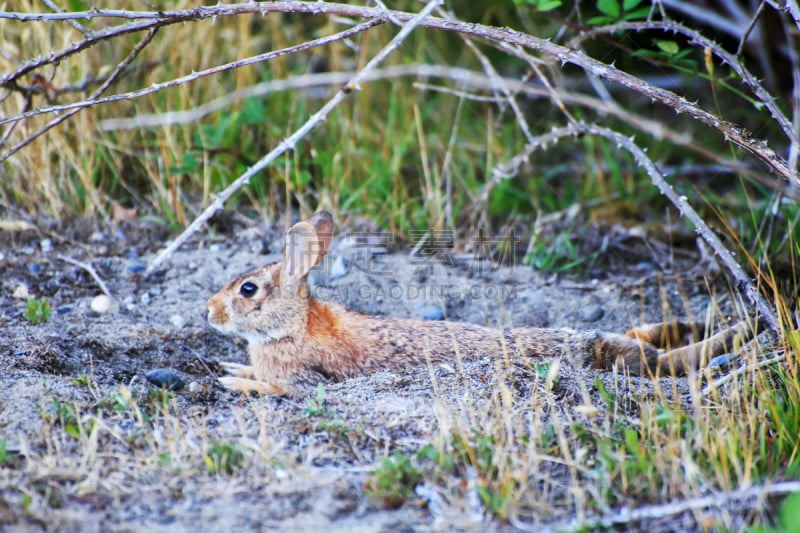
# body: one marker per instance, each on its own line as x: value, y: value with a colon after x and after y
x: 177, y: 320
x: 101, y: 304
x: 46, y: 245
x: 22, y: 292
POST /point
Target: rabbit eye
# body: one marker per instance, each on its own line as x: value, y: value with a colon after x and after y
x: 248, y: 289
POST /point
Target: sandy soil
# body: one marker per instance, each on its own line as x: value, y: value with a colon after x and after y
x: 116, y: 459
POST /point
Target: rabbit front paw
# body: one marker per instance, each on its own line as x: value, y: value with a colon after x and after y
x: 237, y: 370
x: 250, y: 385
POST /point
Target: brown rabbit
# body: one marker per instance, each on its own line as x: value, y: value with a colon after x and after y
x: 296, y: 341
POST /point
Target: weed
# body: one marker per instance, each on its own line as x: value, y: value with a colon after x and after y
x: 65, y: 414
x: 37, y: 310
x: 394, y: 481
x: 480, y: 453
x: 328, y: 421
x: 223, y: 457
x: 5, y: 456
x: 559, y: 254
x: 82, y: 381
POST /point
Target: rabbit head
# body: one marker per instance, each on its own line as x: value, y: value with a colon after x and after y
x: 271, y: 302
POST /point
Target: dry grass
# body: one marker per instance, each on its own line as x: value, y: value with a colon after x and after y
x: 555, y: 453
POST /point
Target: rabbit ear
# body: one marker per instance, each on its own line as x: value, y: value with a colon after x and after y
x: 300, y: 253
x: 323, y: 225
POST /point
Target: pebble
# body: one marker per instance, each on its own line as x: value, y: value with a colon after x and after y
x: 431, y: 312
x: 132, y: 254
x: 46, y: 245
x: 593, y: 313
x: 22, y: 292
x: 34, y: 268
x: 165, y: 378
x: 61, y: 309
x: 721, y: 360
x: 177, y: 320
x: 135, y: 268
x: 101, y: 304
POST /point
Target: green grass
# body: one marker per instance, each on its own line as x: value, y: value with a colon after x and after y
x: 37, y: 310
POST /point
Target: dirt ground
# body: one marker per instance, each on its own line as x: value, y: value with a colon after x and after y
x: 87, y: 447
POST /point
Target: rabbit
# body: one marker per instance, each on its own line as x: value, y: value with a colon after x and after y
x: 296, y: 341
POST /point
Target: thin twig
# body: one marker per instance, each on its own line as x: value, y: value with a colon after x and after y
x: 711, y: 387
x: 100, y: 90
x: 92, y: 272
x: 748, y: 285
x: 746, y: 34
x: 72, y: 22
x: 730, y: 131
x: 291, y: 141
x: 627, y: 516
x: 727, y: 59
x: 301, y: 81
x: 94, y: 100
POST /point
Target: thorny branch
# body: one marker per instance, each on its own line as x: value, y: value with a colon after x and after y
x: 100, y: 90
x: 747, y: 284
x: 94, y: 100
x: 291, y: 141
x: 144, y: 20
x: 510, y: 40
x: 727, y: 59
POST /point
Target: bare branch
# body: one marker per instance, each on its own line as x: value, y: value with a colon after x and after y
x: 72, y: 22
x: 745, y: 282
x: 100, y: 90
x: 291, y: 141
x: 714, y: 385
x: 730, y: 131
x: 627, y: 516
x: 727, y: 59
x: 92, y: 272
x: 94, y: 100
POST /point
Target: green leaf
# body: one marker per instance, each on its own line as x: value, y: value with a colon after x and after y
x: 640, y: 13
x: 670, y: 47
x: 254, y: 111
x: 790, y: 513
x: 72, y: 430
x: 599, y: 21
x: 627, y: 5
x: 547, y: 5
x: 610, y: 8
x: 648, y: 53
x: 76, y: 5
x: 632, y: 441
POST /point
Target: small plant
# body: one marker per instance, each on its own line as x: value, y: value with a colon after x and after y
x: 316, y: 408
x: 82, y: 381
x: 223, y: 457
x: 65, y: 414
x: 394, y: 481
x: 5, y: 457
x: 480, y: 453
x: 37, y: 310
x: 316, y: 405
x: 560, y: 254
